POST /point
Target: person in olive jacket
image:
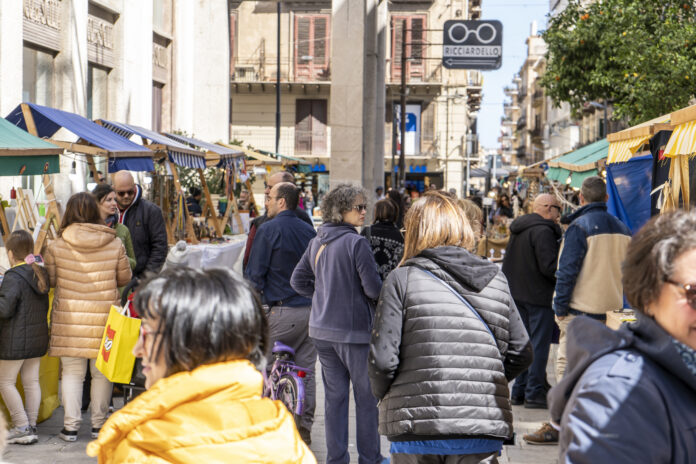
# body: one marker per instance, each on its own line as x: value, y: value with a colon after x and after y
x: 447, y: 339
x: 23, y: 334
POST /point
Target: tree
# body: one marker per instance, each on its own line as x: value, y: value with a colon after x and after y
x: 639, y: 55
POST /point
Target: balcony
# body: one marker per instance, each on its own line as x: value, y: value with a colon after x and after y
x: 538, y: 97
x: 262, y: 69
x: 522, y: 93
x: 475, y: 12
x: 475, y: 79
x: 511, y: 91
x: 521, y: 152
x: 507, y: 122
x: 537, y: 133
x: 521, y: 123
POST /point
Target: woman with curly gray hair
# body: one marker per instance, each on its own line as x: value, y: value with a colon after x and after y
x: 339, y: 273
x: 641, y: 378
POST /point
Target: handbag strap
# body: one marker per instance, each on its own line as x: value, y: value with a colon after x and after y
x: 463, y: 300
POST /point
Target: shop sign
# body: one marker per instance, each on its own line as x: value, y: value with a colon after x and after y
x: 41, y: 23
x: 160, y: 56
x: 100, y: 32
x: 472, y: 45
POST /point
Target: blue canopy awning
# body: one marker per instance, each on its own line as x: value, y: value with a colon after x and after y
x: 227, y: 155
x: 178, y: 153
x: 49, y: 120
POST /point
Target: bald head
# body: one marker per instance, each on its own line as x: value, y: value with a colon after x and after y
x: 277, y: 178
x: 546, y: 206
x: 124, y: 185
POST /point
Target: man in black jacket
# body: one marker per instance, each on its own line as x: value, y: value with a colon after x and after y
x: 530, y: 266
x: 145, y: 223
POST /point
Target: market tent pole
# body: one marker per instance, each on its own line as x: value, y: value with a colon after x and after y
x: 209, y: 205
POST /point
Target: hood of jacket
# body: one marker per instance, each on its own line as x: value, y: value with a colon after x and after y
x: 26, y: 272
x: 596, y: 206
x: 528, y: 221
x: 589, y: 340
x: 88, y: 236
x: 138, y: 195
x: 210, y: 414
x: 471, y: 271
x: 331, y: 231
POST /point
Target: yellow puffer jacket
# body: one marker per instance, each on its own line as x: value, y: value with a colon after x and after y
x: 213, y: 414
x: 86, y: 265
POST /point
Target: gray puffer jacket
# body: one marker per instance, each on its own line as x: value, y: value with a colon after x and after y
x: 433, y: 364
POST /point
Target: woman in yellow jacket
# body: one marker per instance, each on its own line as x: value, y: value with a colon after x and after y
x: 202, y: 339
x: 86, y: 265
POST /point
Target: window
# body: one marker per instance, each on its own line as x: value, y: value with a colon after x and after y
x: 157, y: 89
x: 38, y: 77
x: 312, y: 47
x: 310, y: 127
x: 415, y: 48
x: 97, y: 92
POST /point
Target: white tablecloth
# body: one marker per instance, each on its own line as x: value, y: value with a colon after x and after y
x: 206, y: 256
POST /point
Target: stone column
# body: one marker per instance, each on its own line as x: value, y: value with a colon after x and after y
x: 71, y: 62
x: 356, y: 113
x: 10, y: 56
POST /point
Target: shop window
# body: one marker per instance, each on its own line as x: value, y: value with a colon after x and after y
x: 310, y: 127
x: 415, y: 46
x: 312, y: 47
x: 97, y: 92
x: 157, y: 90
x: 38, y: 76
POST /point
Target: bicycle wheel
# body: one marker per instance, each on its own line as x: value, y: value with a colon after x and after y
x: 288, y: 392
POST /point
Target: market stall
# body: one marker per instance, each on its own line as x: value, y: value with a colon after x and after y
x: 576, y: 166
x: 92, y: 140
x: 680, y: 148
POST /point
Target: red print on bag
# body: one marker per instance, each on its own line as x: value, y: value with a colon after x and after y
x: 106, y: 349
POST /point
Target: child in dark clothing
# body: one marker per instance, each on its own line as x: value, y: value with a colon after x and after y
x: 23, y: 334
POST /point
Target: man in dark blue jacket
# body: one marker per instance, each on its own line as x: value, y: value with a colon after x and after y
x: 278, y: 246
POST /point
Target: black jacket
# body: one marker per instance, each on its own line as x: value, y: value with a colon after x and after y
x: 530, y: 259
x: 23, y: 315
x: 387, y: 245
x: 148, y: 232
x: 433, y: 364
x: 627, y: 397
x: 257, y: 222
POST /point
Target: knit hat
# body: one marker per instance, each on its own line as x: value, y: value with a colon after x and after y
x: 177, y: 255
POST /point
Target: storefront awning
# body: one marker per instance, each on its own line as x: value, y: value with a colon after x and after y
x: 24, y: 154
x: 683, y: 139
x: 286, y: 159
x: 178, y: 153
x: 225, y: 157
x: 579, y: 164
x: 624, y: 144
x: 253, y: 155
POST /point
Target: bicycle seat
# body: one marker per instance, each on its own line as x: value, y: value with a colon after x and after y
x: 279, y: 347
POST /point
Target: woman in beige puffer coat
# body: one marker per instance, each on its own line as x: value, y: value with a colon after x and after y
x: 86, y: 265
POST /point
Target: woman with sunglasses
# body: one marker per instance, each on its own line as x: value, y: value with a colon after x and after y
x: 339, y: 273
x: 630, y: 395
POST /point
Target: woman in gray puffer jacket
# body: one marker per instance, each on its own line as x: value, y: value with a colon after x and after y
x: 447, y: 340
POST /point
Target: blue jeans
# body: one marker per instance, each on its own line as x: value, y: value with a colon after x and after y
x: 538, y: 320
x: 341, y: 364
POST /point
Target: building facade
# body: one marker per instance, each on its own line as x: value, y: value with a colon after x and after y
x: 152, y: 63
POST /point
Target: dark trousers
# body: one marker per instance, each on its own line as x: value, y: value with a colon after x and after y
x: 481, y: 458
x: 538, y: 320
x: 341, y: 364
x: 290, y: 325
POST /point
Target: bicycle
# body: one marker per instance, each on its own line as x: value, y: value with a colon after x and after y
x: 284, y: 380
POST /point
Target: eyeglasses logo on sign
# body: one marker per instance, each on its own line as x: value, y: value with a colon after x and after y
x: 108, y: 343
x: 472, y: 45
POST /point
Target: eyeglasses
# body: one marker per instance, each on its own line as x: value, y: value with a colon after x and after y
x: 689, y: 289
x: 556, y: 207
x: 360, y: 208
x: 123, y: 193
x: 146, y: 333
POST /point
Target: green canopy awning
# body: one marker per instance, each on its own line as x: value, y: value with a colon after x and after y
x: 24, y: 154
x: 579, y: 164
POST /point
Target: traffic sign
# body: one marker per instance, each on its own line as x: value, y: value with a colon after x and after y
x: 472, y: 45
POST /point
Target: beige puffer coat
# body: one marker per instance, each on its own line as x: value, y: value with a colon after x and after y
x: 86, y: 265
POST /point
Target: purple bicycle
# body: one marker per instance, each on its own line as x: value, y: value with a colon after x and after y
x: 284, y: 380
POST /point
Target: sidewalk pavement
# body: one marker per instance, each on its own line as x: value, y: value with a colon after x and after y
x: 52, y: 450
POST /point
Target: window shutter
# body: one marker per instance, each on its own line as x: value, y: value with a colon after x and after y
x: 416, y: 41
x: 397, y: 41
x: 302, y: 42
x: 319, y: 127
x: 319, y: 40
x: 427, y: 126
x: 303, y: 126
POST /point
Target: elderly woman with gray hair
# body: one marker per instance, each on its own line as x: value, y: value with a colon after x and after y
x: 339, y: 273
x: 631, y: 394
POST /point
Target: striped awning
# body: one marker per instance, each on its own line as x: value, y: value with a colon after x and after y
x: 178, y: 153
x: 225, y: 157
x: 623, y: 150
x: 682, y: 141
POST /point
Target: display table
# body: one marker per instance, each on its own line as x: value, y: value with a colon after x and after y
x: 212, y: 255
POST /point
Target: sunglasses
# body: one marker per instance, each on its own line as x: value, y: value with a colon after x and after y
x: 558, y: 208
x: 360, y: 208
x: 125, y: 193
x: 689, y: 290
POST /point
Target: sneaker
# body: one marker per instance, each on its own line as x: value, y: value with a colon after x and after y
x: 68, y: 435
x: 23, y: 436
x: 536, y: 404
x: 34, y: 430
x: 305, y: 435
x: 546, y: 435
x: 516, y: 400
x: 95, y: 432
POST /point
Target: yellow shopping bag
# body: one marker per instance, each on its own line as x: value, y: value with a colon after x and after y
x: 115, y: 358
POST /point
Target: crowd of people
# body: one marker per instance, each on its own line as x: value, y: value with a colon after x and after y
x: 426, y: 333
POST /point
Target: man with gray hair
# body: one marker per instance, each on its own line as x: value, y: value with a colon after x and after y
x: 588, y: 279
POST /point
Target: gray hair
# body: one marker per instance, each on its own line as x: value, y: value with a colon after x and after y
x: 340, y: 201
x: 594, y: 189
x: 651, y: 254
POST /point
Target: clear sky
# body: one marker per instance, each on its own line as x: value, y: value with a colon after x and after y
x: 516, y: 16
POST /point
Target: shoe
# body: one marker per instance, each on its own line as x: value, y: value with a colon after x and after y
x: 516, y: 400
x: 536, y: 404
x: 23, y: 436
x: 95, y: 432
x: 68, y: 435
x: 546, y: 435
x: 34, y: 430
x: 305, y: 435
